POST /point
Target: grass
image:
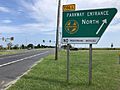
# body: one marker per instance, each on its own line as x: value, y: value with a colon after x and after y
x: 51, y: 74
x: 5, y: 52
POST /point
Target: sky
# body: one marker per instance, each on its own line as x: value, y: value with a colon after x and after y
x: 32, y: 21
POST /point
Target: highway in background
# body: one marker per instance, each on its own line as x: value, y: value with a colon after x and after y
x: 13, y: 66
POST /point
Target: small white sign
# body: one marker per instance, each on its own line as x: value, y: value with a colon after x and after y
x: 80, y: 40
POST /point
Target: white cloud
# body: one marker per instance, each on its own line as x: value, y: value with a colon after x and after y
x: 114, y: 28
x: 28, y: 28
x: 6, y: 21
x: 9, y: 29
x: 41, y: 10
x: 82, y: 4
x: 4, y: 9
x: 37, y: 27
x: 118, y: 15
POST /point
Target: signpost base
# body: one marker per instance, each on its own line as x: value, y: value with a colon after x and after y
x: 90, y: 64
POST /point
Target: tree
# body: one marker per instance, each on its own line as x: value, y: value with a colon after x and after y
x: 16, y: 46
x: 111, y: 45
x: 65, y: 46
x: 30, y: 46
x: 38, y: 46
x: 9, y: 45
x: 43, y: 41
x: 12, y: 38
x: 23, y: 46
x: 1, y: 47
x: 50, y: 41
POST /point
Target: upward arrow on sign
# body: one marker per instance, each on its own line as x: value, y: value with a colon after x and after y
x: 104, y: 22
x: 86, y: 26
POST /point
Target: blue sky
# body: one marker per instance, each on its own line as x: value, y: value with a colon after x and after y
x: 31, y: 21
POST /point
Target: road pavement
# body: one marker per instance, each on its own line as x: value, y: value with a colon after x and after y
x: 13, y: 66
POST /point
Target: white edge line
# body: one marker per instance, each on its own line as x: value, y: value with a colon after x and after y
x: 7, y: 86
x: 17, y: 54
x: 21, y: 59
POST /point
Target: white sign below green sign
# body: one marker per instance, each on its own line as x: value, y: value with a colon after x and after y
x: 85, y: 26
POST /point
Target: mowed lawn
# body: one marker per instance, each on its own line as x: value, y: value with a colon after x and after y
x: 51, y: 74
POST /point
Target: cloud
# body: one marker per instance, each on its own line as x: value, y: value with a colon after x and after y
x: 41, y: 10
x: 82, y: 4
x: 37, y: 27
x: 6, y: 21
x: 4, y: 9
x: 34, y: 28
x: 114, y: 28
x: 9, y: 29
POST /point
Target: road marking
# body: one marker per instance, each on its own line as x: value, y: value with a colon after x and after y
x: 22, y: 59
x: 2, y: 82
x: 104, y: 22
x: 11, y: 56
x: 18, y: 54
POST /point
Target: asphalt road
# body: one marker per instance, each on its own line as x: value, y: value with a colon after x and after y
x: 13, y: 66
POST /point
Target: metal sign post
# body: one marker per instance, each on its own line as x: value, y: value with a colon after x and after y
x: 90, y: 64
x: 68, y: 62
x: 119, y: 58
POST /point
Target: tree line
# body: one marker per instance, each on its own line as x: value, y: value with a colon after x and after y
x: 29, y: 46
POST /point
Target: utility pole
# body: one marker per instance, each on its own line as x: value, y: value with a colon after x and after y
x: 57, y: 30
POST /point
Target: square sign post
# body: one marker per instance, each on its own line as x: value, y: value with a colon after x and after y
x: 86, y: 27
x: 69, y: 7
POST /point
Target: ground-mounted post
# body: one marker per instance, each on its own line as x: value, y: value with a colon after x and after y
x: 68, y: 52
x: 57, y: 31
x: 119, y: 58
x: 90, y: 64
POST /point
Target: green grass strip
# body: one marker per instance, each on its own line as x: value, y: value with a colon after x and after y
x: 51, y: 74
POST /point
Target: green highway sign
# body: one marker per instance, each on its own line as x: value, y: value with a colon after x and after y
x: 86, y: 26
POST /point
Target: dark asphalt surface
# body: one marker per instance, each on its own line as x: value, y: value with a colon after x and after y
x: 10, y: 72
